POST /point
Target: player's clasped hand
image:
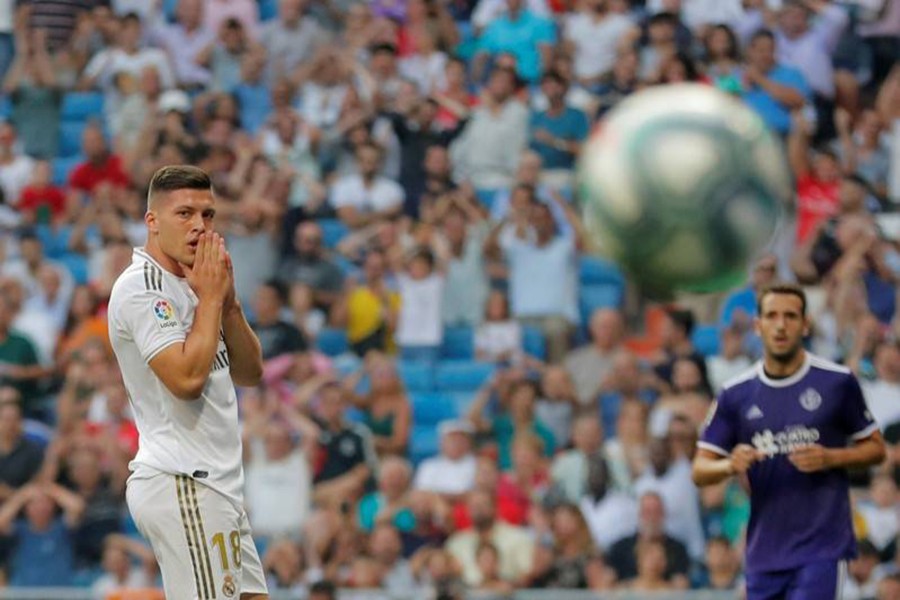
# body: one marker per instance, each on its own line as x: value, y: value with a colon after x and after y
x: 810, y: 459
x: 208, y: 276
x: 743, y: 456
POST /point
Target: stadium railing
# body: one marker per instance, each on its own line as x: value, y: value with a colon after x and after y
x: 542, y: 594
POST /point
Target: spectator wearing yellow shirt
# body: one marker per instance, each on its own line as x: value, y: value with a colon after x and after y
x: 369, y: 309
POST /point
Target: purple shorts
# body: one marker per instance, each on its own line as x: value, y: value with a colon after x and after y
x: 821, y: 580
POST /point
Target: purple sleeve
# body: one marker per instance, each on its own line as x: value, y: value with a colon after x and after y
x: 858, y: 421
x: 719, y: 432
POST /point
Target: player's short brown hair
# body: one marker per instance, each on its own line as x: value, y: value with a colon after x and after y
x: 172, y: 178
x: 782, y: 288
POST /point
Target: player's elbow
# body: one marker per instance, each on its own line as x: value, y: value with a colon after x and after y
x: 187, y: 388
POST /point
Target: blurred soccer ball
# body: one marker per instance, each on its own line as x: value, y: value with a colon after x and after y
x: 682, y: 186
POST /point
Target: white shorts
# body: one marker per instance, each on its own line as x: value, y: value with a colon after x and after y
x: 201, y: 540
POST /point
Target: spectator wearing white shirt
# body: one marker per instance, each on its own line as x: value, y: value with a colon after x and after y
x: 278, y: 469
x: 731, y: 359
x: 881, y: 513
x: 366, y: 197
x: 452, y: 472
x: 499, y: 337
x: 15, y: 167
x: 883, y: 393
x: 127, y: 57
x: 420, y: 327
x: 594, y: 35
x: 611, y: 514
x: 570, y: 468
x: 426, y: 65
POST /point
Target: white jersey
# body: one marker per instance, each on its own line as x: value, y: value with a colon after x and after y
x: 149, y: 310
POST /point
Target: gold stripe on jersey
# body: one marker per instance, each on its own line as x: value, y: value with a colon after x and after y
x: 191, y: 539
x: 196, y: 505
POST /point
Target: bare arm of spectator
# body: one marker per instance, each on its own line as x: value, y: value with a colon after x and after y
x: 17, y: 69
x: 12, y: 507
x: 397, y: 442
x: 790, y: 97
x: 801, y: 262
x: 71, y: 503
x: 346, y: 488
x: 475, y: 414
x: 843, y: 123
x: 204, y: 57
x: 888, y: 101
x: 573, y: 220
x: 67, y: 404
x: 303, y: 425
x: 798, y: 146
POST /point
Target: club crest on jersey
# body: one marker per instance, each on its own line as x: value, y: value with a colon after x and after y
x: 810, y: 399
x: 165, y: 314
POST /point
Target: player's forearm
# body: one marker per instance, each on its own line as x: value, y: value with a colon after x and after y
x: 199, y: 349
x: 710, y: 471
x: 244, y: 350
x: 866, y: 453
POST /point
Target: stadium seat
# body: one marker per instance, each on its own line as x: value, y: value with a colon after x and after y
x: 423, y: 443
x: 533, y: 342
x: 5, y: 107
x: 462, y: 401
x: 595, y: 271
x: 333, y: 231
x: 461, y: 375
x: 82, y: 106
x: 268, y: 9
x: 70, y: 137
x: 458, y: 343
x: 592, y: 297
x: 77, y: 266
x: 706, y: 339
x: 332, y: 341
x: 62, y: 167
x: 417, y: 377
x: 430, y: 408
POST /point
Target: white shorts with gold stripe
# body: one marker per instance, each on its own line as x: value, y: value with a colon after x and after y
x: 201, y: 540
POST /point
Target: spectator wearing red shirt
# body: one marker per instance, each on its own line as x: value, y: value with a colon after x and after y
x: 818, y: 179
x: 101, y: 166
x: 522, y: 487
x: 41, y: 201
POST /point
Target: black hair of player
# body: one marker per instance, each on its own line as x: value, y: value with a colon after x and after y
x: 782, y: 288
x: 172, y: 178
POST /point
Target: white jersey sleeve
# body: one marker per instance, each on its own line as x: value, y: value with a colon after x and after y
x: 147, y: 316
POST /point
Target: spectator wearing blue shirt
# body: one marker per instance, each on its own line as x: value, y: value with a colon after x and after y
x: 526, y: 36
x: 772, y: 90
x: 558, y: 132
x: 43, y: 554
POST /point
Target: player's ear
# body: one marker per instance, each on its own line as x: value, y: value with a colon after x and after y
x: 806, y: 327
x: 150, y: 221
x: 756, y: 327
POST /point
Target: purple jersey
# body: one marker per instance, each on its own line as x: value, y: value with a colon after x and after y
x: 795, y: 518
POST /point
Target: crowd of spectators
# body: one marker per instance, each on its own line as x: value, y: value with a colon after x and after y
x: 457, y: 396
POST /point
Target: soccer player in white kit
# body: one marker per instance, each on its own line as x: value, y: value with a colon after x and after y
x: 182, y: 342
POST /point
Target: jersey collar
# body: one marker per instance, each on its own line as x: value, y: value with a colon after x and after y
x: 787, y: 381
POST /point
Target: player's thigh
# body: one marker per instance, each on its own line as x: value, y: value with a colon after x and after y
x: 820, y: 580
x: 771, y: 585
x: 253, y: 577
x: 194, y: 533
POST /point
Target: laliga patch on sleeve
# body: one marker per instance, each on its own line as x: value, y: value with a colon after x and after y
x: 164, y: 313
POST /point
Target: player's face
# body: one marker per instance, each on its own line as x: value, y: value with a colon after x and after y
x: 782, y: 326
x: 178, y: 220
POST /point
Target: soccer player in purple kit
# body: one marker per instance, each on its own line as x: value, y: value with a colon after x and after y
x: 792, y: 425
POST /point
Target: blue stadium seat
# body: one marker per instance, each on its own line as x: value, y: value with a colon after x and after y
x: 706, y: 339
x: 430, y: 408
x: 82, y: 106
x: 268, y: 9
x: 70, y: 137
x: 63, y: 166
x: 77, y: 266
x: 417, y: 377
x: 533, y: 342
x: 37, y: 432
x: 333, y: 231
x: 423, y: 443
x: 5, y: 107
x: 458, y: 343
x: 461, y: 375
x: 593, y: 270
x: 592, y: 297
x: 332, y: 341
x: 462, y: 401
